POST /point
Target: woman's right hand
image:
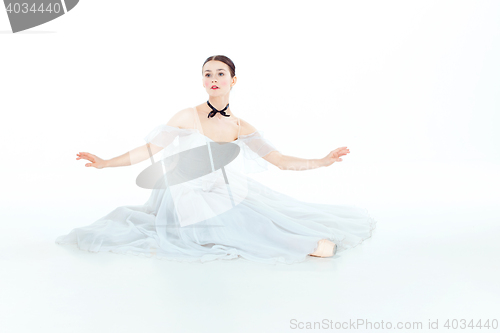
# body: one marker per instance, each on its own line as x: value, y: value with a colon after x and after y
x: 97, y: 162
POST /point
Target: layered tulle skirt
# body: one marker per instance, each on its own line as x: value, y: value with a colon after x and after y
x: 266, y: 226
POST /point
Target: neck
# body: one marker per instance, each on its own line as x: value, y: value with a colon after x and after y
x: 219, y: 103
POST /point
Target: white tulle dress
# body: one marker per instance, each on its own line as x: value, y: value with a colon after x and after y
x: 204, y: 207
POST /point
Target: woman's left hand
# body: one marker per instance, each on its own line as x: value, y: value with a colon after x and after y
x: 334, y: 156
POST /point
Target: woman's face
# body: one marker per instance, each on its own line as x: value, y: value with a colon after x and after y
x: 217, y: 78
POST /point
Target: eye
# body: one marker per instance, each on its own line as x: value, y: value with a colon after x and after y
x: 221, y: 73
x: 207, y: 74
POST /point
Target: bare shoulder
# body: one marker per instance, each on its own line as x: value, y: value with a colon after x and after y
x: 182, y: 119
x: 246, y: 128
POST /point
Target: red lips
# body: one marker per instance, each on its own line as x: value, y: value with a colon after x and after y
x: 215, y: 87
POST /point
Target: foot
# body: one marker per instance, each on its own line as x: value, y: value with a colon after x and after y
x: 325, y: 249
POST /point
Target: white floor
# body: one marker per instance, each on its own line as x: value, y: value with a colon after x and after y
x: 424, y: 262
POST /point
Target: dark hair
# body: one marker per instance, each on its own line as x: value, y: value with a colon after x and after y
x: 223, y: 59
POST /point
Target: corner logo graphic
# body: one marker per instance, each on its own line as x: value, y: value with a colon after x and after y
x: 26, y: 14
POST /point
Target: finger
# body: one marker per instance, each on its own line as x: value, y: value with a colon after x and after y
x: 90, y: 158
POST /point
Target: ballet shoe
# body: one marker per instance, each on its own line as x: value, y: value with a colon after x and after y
x: 325, y: 249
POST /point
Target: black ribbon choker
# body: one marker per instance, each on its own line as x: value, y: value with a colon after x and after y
x: 214, y: 111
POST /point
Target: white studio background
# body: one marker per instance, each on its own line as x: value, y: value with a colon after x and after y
x: 398, y: 83
x: 410, y: 87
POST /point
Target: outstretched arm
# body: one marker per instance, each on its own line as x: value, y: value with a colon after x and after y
x: 285, y: 162
x: 181, y: 119
x: 134, y: 156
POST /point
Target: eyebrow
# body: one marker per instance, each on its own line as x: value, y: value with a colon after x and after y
x: 220, y: 69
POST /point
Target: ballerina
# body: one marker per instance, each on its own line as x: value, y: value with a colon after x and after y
x: 181, y: 222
